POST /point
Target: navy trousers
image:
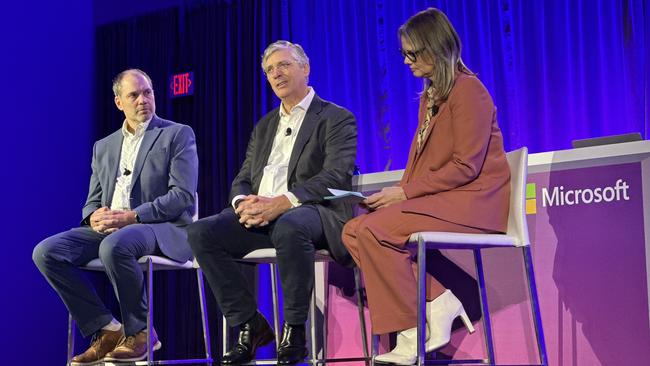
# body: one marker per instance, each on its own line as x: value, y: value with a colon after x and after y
x: 58, y: 258
x: 220, y: 239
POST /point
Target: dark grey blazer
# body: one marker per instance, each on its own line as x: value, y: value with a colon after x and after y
x: 323, y: 157
x: 164, y: 179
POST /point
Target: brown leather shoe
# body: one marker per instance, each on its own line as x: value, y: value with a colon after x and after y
x: 133, y: 347
x: 103, y: 342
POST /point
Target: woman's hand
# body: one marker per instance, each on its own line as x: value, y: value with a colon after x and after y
x: 384, y: 198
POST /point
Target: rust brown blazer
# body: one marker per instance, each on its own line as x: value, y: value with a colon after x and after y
x: 461, y: 175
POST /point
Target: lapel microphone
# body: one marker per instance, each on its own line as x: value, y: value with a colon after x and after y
x: 126, y: 172
x: 288, y: 131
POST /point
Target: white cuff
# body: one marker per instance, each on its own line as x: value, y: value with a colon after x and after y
x: 237, y: 198
x: 293, y: 199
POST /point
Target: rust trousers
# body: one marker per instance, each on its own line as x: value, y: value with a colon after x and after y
x: 377, y: 242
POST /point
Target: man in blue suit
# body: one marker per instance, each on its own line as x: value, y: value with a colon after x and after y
x: 141, y: 196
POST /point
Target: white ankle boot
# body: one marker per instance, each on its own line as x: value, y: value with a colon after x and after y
x: 405, y: 351
x: 441, y: 313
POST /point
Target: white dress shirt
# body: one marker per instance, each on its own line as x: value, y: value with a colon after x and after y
x: 130, y: 147
x: 275, y: 177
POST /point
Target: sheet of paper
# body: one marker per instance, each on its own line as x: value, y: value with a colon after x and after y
x: 346, y: 196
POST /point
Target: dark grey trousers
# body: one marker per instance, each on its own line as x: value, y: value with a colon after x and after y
x: 217, y: 240
x: 58, y: 258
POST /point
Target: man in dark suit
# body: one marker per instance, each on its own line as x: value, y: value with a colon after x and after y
x: 295, y: 153
x: 141, y: 196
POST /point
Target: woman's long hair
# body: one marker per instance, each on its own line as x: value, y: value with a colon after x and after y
x: 431, y: 33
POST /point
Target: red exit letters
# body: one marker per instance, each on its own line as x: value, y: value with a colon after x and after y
x: 181, y: 84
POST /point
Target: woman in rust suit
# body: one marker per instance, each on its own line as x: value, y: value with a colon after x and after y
x: 457, y: 179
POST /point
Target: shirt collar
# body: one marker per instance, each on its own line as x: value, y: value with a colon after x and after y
x: 304, y: 103
x: 139, y: 131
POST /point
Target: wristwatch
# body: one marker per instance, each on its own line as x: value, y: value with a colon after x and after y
x: 137, y: 218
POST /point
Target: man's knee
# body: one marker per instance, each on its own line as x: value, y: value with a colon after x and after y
x: 53, y: 248
x: 42, y: 252
x: 285, y: 230
x: 204, y: 232
x: 196, y: 234
x: 73, y: 246
x: 114, y: 247
x: 296, y: 227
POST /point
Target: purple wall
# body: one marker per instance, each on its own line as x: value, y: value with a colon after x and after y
x: 46, y: 67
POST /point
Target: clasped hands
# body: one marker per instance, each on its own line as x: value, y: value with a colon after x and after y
x: 384, y: 198
x: 258, y: 211
x: 107, y: 221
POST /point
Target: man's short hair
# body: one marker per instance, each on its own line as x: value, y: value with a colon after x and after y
x: 117, y: 81
x: 296, y: 51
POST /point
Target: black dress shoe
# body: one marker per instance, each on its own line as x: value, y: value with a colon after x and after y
x: 292, y: 349
x: 253, y: 334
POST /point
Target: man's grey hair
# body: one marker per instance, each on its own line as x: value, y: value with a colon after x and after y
x: 117, y: 81
x: 296, y: 51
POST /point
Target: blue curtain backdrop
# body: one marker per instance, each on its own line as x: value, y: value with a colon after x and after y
x: 557, y: 70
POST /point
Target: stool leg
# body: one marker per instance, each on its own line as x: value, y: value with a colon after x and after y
x: 487, y: 323
x: 326, y: 296
x: 362, y: 316
x: 422, y: 322
x: 375, y: 345
x: 149, y: 310
x: 312, y: 322
x: 534, y: 304
x: 225, y: 336
x: 204, y: 315
x: 276, y: 310
x: 71, y: 338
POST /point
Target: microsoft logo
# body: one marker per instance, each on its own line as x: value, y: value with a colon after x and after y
x: 531, y: 199
x: 559, y: 196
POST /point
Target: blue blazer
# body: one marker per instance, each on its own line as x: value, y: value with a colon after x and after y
x: 165, y: 178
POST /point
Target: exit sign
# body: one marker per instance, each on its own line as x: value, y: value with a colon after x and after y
x: 181, y: 84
